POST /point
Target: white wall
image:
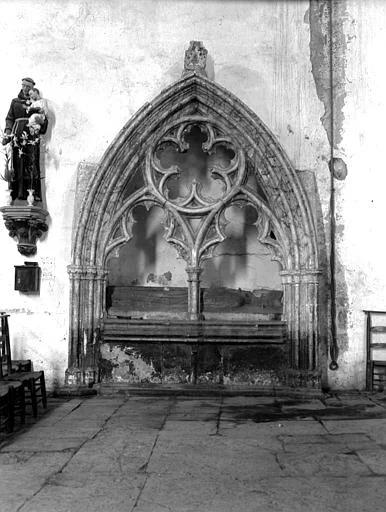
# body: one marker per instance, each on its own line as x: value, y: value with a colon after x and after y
x: 98, y: 62
x: 361, y: 205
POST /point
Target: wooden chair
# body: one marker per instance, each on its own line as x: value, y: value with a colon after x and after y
x: 376, y: 350
x: 12, y: 404
x: 5, y: 408
x: 16, y: 365
x: 32, y: 382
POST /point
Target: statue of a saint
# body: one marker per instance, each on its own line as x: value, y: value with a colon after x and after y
x: 25, y: 122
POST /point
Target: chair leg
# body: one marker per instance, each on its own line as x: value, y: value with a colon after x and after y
x: 43, y: 391
x: 32, y: 390
x: 22, y: 405
x: 11, y: 410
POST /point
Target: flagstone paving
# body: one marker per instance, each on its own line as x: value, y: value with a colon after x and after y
x: 207, y: 454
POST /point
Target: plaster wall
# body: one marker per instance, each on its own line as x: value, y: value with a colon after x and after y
x: 360, y: 203
x: 241, y: 261
x: 98, y: 62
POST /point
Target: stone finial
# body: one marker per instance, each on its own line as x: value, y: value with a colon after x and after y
x: 195, y: 59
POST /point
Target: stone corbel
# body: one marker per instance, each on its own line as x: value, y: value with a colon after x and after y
x: 26, y: 224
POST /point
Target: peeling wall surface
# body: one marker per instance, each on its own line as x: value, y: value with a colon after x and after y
x: 360, y: 205
x: 98, y: 62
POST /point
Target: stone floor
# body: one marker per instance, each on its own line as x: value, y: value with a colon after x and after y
x: 153, y: 454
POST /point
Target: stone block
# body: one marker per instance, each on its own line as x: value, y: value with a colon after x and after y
x: 322, y: 463
x: 176, y: 363
x: 375, y: 459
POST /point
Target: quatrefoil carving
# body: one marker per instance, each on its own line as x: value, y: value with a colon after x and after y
x: 209, y: 175
x: 194, y: 172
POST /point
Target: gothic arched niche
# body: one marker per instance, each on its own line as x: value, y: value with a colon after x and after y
x: 197, y: 153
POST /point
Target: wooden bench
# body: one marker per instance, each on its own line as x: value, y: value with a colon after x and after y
x: 207, y: 332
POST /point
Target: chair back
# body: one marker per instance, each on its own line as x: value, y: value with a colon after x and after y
x: 5, y: 346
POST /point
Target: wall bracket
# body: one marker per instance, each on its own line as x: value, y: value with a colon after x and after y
x: 26, y: 224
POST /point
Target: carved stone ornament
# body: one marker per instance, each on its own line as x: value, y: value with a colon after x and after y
x: 245, y: 166
x: 195, y: 58
x: 26, y: 224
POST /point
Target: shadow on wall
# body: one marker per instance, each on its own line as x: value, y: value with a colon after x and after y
x: 324, y: 282
x: 241, y: 261
x: 231, y: 77
x: 327, y: 349
x: 51, y: 158
x: 46, y: 159
x: 147, y: 255
x: 333, y: 331
x: 238, y: 262
x: 210, y: 67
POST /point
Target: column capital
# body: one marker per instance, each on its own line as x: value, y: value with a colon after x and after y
x: 300, y: 276
x: 193, y: 273
x: 86, y: 272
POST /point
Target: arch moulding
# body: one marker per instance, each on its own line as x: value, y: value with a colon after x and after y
x: 124, y: 179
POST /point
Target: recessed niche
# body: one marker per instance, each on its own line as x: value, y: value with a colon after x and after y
x: 241, y: 261
x: 147, y: 259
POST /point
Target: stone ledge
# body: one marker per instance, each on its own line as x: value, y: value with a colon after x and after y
x: 73, y: 391
x: 203, y: 390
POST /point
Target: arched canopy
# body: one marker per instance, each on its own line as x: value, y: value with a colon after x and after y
x: 284, y: 204
x: 129, y: 175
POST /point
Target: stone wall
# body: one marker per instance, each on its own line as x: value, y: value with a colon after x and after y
x: 360, y: 206
x: 98, y: 62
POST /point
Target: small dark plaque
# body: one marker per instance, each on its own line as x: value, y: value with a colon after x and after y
x: 27, y: 277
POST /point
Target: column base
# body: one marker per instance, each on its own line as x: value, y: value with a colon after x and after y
x: 77, y: 377
x: 77, y: 382
x: 303, y: 379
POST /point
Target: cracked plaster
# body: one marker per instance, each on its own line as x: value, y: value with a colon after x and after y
x: 127, y: 58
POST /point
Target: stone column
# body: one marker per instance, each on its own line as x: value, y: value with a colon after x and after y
x: 87, y: 296
x: 194, y: 305
x: 300, y: 311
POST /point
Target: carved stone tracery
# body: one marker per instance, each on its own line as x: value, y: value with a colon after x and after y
x: 195, y: 58
x: 284, y: 220
x: 197, y: 244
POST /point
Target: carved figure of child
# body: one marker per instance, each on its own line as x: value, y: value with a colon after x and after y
x: 38, y: 108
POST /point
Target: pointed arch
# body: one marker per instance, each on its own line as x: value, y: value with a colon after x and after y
x: 281, y: 184
x: 103, y: 226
